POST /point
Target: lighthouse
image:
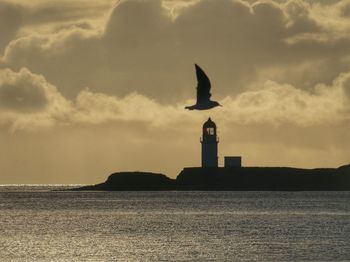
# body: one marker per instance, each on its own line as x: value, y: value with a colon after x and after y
x: 209, y: 141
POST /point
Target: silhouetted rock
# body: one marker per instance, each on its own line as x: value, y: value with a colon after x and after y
x: 345, y: 168
x: 264, y: 178
x: 241, y: 179
x: 134, y: 181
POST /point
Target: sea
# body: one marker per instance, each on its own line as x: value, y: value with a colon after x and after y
x: 45, y: 223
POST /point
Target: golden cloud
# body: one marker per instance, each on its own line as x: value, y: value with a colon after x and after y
x: 29, y: 101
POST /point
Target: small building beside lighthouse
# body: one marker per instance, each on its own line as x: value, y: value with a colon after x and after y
x: 209, y: 141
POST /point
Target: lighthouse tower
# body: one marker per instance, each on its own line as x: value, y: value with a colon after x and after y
x: 209, y: 141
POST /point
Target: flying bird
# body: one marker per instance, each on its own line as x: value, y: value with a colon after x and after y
x: 203, y: 92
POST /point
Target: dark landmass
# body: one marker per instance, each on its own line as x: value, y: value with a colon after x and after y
x: 264, y: 178
x: 240, y: 179
x: 134, y: 181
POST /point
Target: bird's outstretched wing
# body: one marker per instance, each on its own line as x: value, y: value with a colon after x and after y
x: 203, y: 85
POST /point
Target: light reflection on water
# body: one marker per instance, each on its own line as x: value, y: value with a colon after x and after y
x: 99, y: 226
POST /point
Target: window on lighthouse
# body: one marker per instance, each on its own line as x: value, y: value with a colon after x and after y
x: 209, y: 131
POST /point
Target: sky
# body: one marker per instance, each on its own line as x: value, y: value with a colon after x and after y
x: 88, y: 88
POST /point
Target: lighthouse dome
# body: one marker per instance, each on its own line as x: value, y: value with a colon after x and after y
x: 209, y: 124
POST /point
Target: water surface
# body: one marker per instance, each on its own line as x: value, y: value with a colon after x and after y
x: 39, y: 225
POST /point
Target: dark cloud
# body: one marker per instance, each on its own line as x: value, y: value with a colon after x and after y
x: 144, y: 49
x: 21, y: 92
x: 10, y: 22
x: 21, y: 97
x: 344, y: 8
x: 29, y: 102
x: 346, y: 85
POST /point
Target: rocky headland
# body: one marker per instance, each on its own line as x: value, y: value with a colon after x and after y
x: 240, y: 179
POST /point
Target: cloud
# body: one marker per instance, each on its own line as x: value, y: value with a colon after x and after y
x: 143, y: 48
x: 280, y: 104
x: 29, y: 102
x: 274, y: 104
x: 95, y: 108
x: 22, y: 92
x: 10, y: 22
x: 343, y: 8
x: 37, y: 13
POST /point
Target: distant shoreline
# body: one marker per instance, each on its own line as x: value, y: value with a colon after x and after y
x: 230, y: 179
